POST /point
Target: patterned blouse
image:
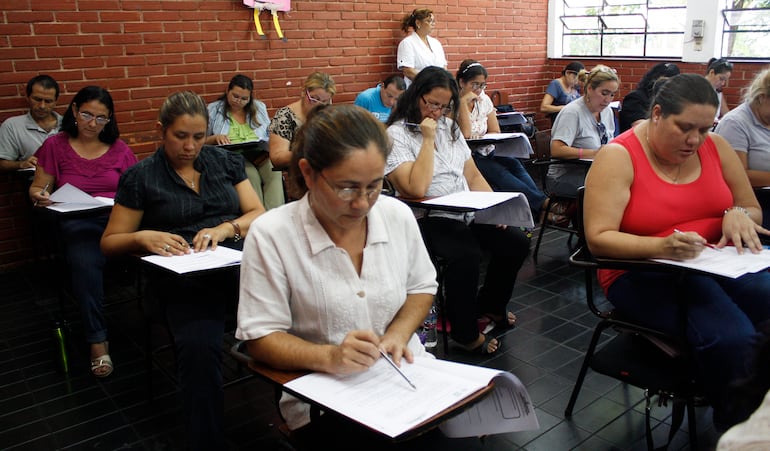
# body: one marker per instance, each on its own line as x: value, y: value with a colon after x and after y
x: 285, y: 123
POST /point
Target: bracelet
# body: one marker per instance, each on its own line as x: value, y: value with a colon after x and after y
x: 580, y: 153
x: 237, y: 229
x: 735, y: 207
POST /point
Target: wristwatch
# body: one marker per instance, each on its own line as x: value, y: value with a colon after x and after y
x: 237, y: 229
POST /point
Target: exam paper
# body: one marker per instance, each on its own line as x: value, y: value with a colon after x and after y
x: 491, y: 207
x: 221, y: 257
x: 382, y: 400
x: 726, y: 262
x: 70, y: 198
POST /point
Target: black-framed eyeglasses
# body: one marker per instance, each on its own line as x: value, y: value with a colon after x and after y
x: 318, y: 101
x: 476, y: 85
x: 719, y: 64
x: 445, y: 109
x: 602, y: 129
x: 348, y: 194
x: 88, y: 117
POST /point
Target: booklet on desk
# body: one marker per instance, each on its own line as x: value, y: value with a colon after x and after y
x: 197, y: 261
x: 512, y: 145
x: 724, y: 262
x: 69, y: 198
x: 490, y: 207
x: 381, y: 399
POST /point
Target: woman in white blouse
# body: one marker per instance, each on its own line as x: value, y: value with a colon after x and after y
x: 419, y: 50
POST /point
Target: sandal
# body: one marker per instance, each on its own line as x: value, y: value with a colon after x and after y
x: 498, y: 320
x: 483, y: 348
x: 102, y: 366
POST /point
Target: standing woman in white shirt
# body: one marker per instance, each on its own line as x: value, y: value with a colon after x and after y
x: 419, y: 50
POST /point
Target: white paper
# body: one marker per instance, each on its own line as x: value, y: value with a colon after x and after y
x: 491, y: 207
x: 725, y: 262
x: 70, y: 198
x: 382, y: 400
x: 512, y: 145
x: 221, y: 257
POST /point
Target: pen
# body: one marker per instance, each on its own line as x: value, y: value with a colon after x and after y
x: 411, y: 124
x: 385, y: 356
x: 45, y: 188
x: 705, y: 244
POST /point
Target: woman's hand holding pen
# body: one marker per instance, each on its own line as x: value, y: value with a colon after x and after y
x: 683, y: 245
x: 359, y: 350
x: 40, y: 197
x: 428, y: 128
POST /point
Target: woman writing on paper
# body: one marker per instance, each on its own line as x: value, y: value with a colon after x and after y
x: 355, y: 278
x: 187, y: 197
x: 665, y: 189
x: 477, y: 113
x: 430, y: 158
x: 89, y: 155
x: 237, y: 117
x: 563, y: 90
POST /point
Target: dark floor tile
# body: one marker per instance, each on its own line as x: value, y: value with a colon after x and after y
x: 562, y: 437
x: 119, y: 439
x: 22, y: 434
x: 37, y: 443
x: 596, y: 415
x: 95, y: 427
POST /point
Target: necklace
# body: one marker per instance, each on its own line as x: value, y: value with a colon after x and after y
x: 191, y: 182
x: 674, y: 180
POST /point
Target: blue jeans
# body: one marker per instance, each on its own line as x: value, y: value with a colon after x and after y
x: 508, y: 174
x: 722, y: 318
x: 460, y: 247
x: 81, y: 238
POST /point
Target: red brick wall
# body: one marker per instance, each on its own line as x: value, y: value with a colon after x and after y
x: 142, y: 50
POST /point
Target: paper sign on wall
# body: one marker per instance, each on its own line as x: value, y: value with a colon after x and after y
x: 273, y: 6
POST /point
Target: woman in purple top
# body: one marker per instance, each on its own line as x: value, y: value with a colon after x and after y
x: 86, y: 154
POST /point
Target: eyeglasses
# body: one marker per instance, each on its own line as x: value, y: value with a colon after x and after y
x: 239, y: 99
x: 319, y: 101
x: 602, y: 133
x: 88, y: 117
x: 475, y: 86
x: 719, y: 64
x: 445, y: 109
x: 348, y: 194
x: 431, y: 20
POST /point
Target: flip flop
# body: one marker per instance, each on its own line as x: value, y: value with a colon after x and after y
x: 498, y: 321
x: 102, y: 366
x: 483, y: 348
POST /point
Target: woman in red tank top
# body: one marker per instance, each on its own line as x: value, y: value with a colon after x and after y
x: 666, y: 189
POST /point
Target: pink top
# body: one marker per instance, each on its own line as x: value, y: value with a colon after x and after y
x: 657, y: 207
x: 97, y: 177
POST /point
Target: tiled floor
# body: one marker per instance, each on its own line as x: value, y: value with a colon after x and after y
x: 42, y: 409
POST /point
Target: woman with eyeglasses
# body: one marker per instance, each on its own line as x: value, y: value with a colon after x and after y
x: 187, y: 197
x: 718, y: 74
x: 331, y: 279
x: 561, y: 91
x: 479, y: 116
x: 747, y: 129
x: 581, y: 129
x: 670, y: 189
x: 87, y: 154
x: 430, y: 158
x: 237, y: 117
x: 419, y: 50
x: 318, y: 89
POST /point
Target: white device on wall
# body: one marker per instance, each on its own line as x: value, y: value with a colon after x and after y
x: 697, y: 28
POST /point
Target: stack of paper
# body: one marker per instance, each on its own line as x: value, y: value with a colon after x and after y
x: 69, y: 198
x: 197, y: 261
x: 725, y: 262
x: 490, y: 207
x: 382, y: 400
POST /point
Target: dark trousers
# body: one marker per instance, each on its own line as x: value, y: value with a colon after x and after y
x: 720, y: 323
x: 459, y: 247
x: 195, y: 309
x: 508, y: 174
